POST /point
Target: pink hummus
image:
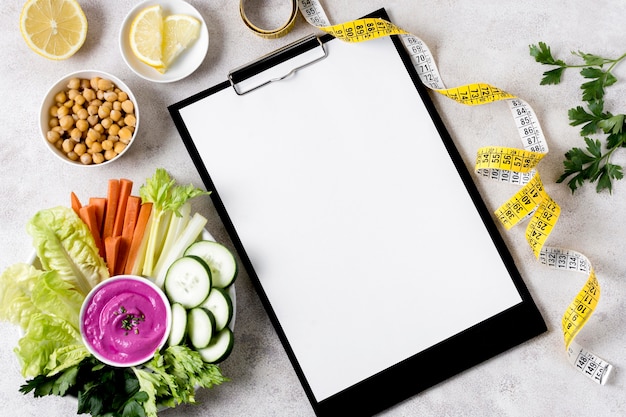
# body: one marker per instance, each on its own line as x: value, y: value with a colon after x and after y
x: 125, y: 320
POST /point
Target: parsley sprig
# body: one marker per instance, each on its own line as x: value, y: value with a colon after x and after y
x: 593, y: 163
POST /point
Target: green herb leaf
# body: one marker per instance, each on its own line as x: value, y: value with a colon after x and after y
x: 543, y: 55
x: 591, y: 164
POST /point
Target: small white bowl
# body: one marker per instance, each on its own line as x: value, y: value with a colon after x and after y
x: 186, y: 63
x: 114, y: 329
x: 61, y: 85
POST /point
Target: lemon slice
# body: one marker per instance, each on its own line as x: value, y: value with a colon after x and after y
x: 55, y: 29
x: 146, y: 35
x: 179, y: 32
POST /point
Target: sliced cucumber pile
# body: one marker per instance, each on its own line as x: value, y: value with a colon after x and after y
x: 196, y: 285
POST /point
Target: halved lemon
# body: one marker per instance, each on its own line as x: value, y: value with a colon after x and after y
x: 146, y: 35
x: 55, y: 29
x: 179, y: 32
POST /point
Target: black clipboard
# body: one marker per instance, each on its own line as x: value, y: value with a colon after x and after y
x: 380, y: 224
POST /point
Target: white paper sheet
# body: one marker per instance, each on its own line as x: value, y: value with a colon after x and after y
x: 355, y: 219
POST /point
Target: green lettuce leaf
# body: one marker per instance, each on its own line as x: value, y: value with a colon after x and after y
x: 65, y: 244
x: 45, y: 335
x: 57, y: 297
x: 16, y: 286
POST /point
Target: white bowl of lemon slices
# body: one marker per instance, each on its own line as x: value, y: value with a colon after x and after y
x: 164, y: 40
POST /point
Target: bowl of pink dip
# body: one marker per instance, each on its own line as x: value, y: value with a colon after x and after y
x: 124, y: 320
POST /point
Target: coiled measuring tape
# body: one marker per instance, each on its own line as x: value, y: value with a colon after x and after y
x: 512, y: 165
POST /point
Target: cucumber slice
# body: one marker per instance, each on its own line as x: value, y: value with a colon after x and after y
x: 200, y: 327
x: 188, y: 281
x: 220, y: 347
x: 178, y: 329
x: 221, y: 305
x: 219, y: 259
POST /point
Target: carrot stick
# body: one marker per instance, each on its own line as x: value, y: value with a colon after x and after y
x: 126, y: 187
x: 138, y: 236
x: 130, y: 220
x: 88, y: 216
x: 100, y: 203
x: 113, y: 196
x: 76, y: 205
x: 111, y: 247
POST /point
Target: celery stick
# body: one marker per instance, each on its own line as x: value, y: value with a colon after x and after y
x: 190, y: 234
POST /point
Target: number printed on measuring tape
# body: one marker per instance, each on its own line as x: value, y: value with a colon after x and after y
x: 512, y: 165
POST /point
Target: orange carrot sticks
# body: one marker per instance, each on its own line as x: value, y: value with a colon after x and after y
x: 111, y: 248
x: 75, y: 202
x: 125, y: 189
x: 88, y: 216
x: 131, y: 216
x: 113, y: 195
x: 100, y: 204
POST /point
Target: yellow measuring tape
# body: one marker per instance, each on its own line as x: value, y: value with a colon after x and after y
x: 512, y: 165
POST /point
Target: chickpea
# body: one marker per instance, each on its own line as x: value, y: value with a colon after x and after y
x: 80, y: 148
x: 73, y: 84
x: 122, y: 96
x: 116, y: 115
x: 99, y: 128
x: 114, y: 130
x: 117, y: 105
x: 93, y: 119
x: 130, y: 120
x: 98, y: 158
x: 66, y: 122
x: 82, y: 125
x: 125, y: 134
x: 128, y: 106
x: 86, y: 159
x: 119, y: 147
x: 107, y: 144
x: 67, y: 145
x: 53, y: 136
x: 69, y: 104
x: 61, y: 97
x: 62, y: 111
x: 95, y: 148
x: 94, y: 83
x: 76, y: 134
x: 54, y: 121
x: 80, y: 99
x: 82, y: 114
x: 54, y: 110
x: 89, y: 94
x: 73, y: 156
x: 71, y: 94
x: 109, y: 154
x: 106, y: 123
x: 104, y: 84
x: 94, y: 135
x: 104, y: 112
x: 85, y: 83
x: 110, y: 96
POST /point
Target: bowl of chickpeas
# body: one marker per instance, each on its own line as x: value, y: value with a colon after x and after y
x: 89, y: 118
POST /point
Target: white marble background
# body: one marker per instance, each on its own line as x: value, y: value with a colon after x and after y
x: 473, y: 42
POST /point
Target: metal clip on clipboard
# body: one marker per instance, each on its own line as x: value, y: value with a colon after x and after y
x: 278, y: 65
